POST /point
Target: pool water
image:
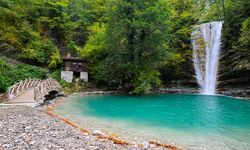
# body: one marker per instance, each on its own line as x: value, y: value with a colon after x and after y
x: 189, y: 121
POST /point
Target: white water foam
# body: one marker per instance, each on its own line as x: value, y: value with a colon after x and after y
x: 206, y: 41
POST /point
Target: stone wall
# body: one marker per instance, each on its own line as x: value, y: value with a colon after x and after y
x: 67, y: 76
x: 84, y: 76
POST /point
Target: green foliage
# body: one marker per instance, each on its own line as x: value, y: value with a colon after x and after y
x: 36, y: 32
x: 236, y: 39
x: 244, y: 39
x: 56, y: 74
x: 242, y: 47
x: 75, y: 87
x: 133, y: 41
x: 145, y: 79
x: 130, y: 44
x: 182, y: 21
x: 11, y: 74
x: 55, y: 59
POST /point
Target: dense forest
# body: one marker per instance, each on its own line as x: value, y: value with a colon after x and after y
x: 135, y: 45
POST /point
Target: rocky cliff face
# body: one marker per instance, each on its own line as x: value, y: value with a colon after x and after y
x: 234, y: 73
x: 233, y: 76
x: 233, y: 79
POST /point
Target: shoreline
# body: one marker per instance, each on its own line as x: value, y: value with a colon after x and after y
x: 23, y: 127
x: 12, y: 114
x: 235, y: 93
x: 125, y: 133
x: 164, y: 91
x: 111, y: 136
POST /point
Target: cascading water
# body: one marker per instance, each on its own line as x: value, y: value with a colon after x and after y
x: 206, y: 41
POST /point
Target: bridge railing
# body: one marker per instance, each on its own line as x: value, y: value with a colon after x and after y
x: 45, y: 87
x: 41, y: 88
x: 24, y: 85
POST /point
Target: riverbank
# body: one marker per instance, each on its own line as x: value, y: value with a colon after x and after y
x: 23, y: 127
x: 234, y: 92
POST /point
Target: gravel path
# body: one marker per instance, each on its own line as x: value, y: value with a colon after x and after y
x: 23, y: 127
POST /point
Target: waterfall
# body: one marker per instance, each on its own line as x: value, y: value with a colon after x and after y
x: 206, y: 41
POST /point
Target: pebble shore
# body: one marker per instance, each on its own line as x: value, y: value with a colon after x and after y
x: 28, y: 128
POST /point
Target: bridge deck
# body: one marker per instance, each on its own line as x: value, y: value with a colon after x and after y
x: 31, y: 91
x: 25, y: 97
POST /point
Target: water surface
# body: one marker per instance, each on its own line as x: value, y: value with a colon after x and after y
x: 191, y: 121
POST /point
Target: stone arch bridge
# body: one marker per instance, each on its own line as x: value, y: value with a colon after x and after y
x: 31, y: 91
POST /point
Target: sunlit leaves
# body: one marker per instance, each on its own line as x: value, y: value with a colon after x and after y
x: 55, y: 59
x: 132, y: 42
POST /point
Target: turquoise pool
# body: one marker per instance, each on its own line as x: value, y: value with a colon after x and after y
x: 190, y: 121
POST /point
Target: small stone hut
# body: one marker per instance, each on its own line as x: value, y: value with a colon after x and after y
x: 74, y: 68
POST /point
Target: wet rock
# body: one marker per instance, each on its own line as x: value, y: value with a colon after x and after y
x: 244, y: 93
x: 97, y: 132
x: 152, y: 146
x: 146, y: 145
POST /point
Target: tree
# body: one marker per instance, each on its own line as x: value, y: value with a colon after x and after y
x: 182, y: 20
x: 136, y: 38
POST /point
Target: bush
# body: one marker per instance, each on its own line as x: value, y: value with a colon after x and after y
x: 11, y: 74
x: 75, y: 87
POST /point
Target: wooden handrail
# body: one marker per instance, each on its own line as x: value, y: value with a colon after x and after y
x: 41, y: 88
x: 45, y: 87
